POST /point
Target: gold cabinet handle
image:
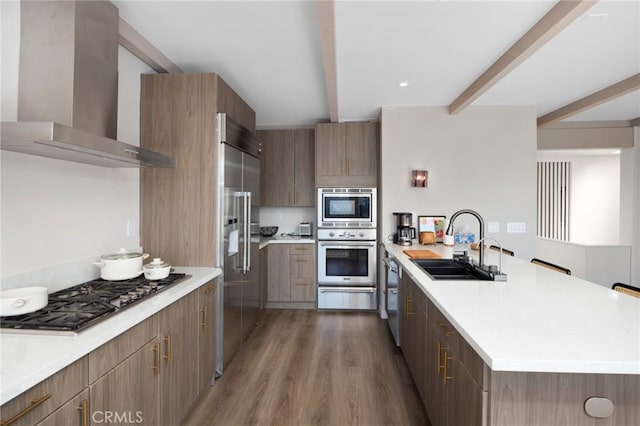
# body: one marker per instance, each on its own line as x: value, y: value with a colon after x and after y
x: 167, y: 348
x: 156, y: 358
x: 439, y: 367
x: 407, y: 312
x: 295, y: 197
x: 204, y: 317
x: 84, y: 412
x: 445, y: 376
x: 301, y: 284
x: 34, y: 403
x: 289, y: 197
x: 209, y: 289
x: 302, y: 261
x: 348, y: 167
x: 302, y: 248
x: 341, y: 167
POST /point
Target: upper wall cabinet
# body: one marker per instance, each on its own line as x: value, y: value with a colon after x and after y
x: 287, y: 170
x: 347, y: 154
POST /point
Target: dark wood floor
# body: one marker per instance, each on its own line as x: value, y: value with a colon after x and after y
x: 303, y: 367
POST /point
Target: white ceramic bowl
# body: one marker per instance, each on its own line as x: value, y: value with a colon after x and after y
x: 157, y: 269
x: 23, y: 300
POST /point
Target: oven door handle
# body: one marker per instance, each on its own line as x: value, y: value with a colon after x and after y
x: 346, y: 290
x: 346, y: 244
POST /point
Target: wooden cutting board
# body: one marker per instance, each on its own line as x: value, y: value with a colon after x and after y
x: 421, y: 254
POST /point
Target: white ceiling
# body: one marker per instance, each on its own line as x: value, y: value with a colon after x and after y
x: 270, y: 53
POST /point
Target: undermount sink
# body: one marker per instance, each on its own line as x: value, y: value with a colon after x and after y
x: 449, y: 269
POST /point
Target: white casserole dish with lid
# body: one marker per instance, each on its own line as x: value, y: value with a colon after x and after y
x: 121, y: 265
x: 157, y: 269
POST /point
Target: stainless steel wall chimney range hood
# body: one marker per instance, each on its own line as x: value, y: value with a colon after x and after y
x: 68, y: 87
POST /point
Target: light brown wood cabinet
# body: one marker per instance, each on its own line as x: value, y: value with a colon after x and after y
x: 76, y: 412
x: 208, y: 300
x: 413, y: 329
x: 178, y: 118
x: 179, y: 371
x: 291, y: 273
x: 131, y: 388
x: 347, y: 154
x: 43, y: 399
x: 287, y: 168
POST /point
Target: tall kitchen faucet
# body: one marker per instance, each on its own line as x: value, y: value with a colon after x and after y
x: 480, y: 221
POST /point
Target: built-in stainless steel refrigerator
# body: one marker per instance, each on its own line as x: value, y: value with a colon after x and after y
x: 238, y: 210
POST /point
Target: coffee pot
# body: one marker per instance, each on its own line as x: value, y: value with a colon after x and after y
x: 404, y: 231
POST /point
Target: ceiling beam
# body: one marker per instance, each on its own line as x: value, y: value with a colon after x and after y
x: 133, y: 41
x: 635, y: 122
x: 326, y: 23
x: 551, y: 24
x: 601, y: 96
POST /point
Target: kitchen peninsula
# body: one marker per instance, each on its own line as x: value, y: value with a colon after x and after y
x: 531, y: 350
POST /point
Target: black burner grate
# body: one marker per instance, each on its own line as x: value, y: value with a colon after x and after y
x: 83, y: 305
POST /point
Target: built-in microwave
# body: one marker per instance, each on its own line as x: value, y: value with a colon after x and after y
x: 347, y: 207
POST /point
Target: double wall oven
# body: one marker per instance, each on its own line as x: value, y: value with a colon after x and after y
x: 347, y: 249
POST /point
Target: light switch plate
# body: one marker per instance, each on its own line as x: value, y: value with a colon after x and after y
x: 278, y: 214
x: 132, y: 230
x: 493, y: 227
x: 516, y: 227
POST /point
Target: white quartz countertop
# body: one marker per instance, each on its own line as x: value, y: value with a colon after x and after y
x: 26, y: 360
x: 285, y: 239
x: 539, y: 320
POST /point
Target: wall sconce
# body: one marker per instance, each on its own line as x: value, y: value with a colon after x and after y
x: 419, y: 178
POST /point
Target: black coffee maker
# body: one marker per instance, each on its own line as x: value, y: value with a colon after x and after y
x: 404, y: 231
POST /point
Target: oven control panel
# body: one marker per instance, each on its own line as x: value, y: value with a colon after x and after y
x: 346, y: 234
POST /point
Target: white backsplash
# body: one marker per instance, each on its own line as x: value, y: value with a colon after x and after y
x: 287, y: 219
x: 58, y: 277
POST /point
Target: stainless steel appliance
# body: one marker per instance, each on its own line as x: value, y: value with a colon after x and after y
x: 404, y: 231
x: 237, y: 216
x: 76, y: 308
x: 393, y: 285
x: 347, y: 248
x: 347, y: 207
x: 305, y: 229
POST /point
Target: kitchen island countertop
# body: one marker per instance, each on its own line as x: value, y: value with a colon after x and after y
x: 539, y: 320
x: 27, y: 359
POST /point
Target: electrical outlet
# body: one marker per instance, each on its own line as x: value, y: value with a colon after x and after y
x: 493, y: 227
x: 516, y: 227
x: 278, y: 214
x: 132, y: 230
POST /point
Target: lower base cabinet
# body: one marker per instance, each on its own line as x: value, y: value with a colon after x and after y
x: 151, y: 374
x: 130, y: 390
x: 290, y: 273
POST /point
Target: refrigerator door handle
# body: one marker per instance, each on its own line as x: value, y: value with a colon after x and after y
x: 247, y: 233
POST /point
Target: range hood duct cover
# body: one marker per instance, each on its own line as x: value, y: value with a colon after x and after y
x: 68, y: 87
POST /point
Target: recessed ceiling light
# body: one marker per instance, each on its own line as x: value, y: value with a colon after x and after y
x: 597, y: 15
x: 403, y: 84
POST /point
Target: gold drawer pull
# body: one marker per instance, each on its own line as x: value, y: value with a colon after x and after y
x: 167, y: 348
x: 84, y: 412
x: 407, y: 305
x: 210, y: 288
x: 445, y: 376
x: 34, y: 403
x: 302, y: 261
x: 156, y: 363
x: 440, y: 367
x: 302, y: 248
x: 348, y: 167
x: 341, y: 167
x: 301, y: 284
x: 204, y: 317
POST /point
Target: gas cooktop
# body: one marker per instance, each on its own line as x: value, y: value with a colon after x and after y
x: 76, y: 308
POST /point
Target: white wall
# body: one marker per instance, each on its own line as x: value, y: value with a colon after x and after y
x: 56, y: 212
x: 595, y: 195
x: 482, y: 159
x: 604, y: 265
x: 287, y: 219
